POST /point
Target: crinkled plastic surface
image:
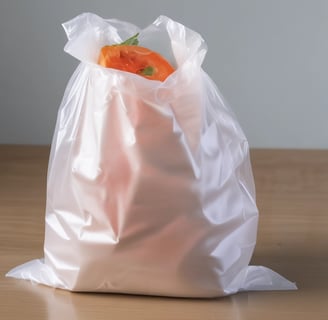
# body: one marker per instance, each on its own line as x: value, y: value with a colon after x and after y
x: 150, y: 188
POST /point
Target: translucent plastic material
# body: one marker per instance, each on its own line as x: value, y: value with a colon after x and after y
x: 150, y: 188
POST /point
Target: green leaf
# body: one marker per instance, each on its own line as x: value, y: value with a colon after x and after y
x: 148, y: 71
x: 133, y: 41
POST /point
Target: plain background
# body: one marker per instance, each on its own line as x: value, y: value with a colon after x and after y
x: 269, y: 59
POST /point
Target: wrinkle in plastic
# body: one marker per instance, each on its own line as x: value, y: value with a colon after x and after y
x: 150, y: 188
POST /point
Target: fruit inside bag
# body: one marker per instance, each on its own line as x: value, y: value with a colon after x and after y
x: 129, y: 56
x: 150, y: 188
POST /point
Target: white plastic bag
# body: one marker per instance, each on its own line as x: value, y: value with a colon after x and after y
x: 150, y: 189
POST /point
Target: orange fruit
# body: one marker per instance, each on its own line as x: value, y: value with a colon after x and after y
x: 135, y: 59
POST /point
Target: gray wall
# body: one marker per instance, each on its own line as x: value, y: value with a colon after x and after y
x: 269, y: 59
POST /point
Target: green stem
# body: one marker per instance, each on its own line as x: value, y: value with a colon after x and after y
x: 132, y: 41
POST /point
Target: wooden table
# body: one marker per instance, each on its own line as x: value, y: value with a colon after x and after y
x: 292, y: 192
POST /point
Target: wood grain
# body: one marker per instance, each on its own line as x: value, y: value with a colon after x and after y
x: 292, y: 195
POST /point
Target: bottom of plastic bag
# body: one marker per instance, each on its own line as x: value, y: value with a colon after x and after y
x: 252, y: 278
x: 259, y: 278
